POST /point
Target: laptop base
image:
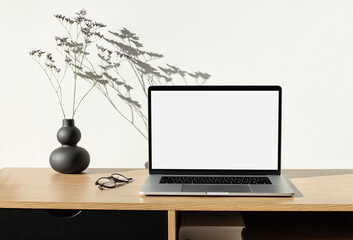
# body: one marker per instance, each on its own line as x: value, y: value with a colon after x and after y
x: 279, y: 187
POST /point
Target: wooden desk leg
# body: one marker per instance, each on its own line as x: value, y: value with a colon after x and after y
x: 171, y: 225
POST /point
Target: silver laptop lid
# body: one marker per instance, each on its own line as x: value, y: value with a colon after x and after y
x: 215, y: 129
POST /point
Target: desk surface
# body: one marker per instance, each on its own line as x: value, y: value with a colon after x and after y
x: 43, y: 188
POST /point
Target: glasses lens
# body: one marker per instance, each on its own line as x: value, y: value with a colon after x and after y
x: 106, y: 182
x: 120, y: 177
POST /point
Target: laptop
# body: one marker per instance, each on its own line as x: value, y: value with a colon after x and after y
x: 215, y: 141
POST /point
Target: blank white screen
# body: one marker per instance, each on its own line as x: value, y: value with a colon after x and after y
x: 227, y: 130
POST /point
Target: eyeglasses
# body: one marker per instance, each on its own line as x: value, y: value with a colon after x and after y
x: 112, y: 181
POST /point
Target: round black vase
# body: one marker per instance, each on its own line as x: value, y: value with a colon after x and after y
x: 69, y: 158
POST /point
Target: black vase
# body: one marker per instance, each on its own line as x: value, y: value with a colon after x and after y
x: 69, y: 158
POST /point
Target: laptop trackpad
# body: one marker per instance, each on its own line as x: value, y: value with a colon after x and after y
x: 215, y: 188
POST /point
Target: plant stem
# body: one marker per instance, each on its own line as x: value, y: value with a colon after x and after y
x: 74, y: 99
x: 83, y: 98
x: 51, y: 83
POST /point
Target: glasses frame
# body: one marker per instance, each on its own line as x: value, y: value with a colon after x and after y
x: 115, y: 179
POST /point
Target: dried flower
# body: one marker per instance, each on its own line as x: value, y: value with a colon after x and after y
x: 79, y: 19
x: 61, y: 41
x: 82, y: 12
x: 101, y: 25
x: 60, y: 17
x: 50, y: 58
x: 102, y: 49
x: 86, y: 31
x: 69, y: 20
x: 33, y: 52
x: 75, y: 49
x: 68, y: 59
x: 40, y: 53
x: 89, y: 24
x: 120, y: 54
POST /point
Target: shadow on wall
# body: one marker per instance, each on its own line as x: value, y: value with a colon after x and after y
x: 138, y: 63
x: 115, y: 63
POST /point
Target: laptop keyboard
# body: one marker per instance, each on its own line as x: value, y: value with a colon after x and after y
x: 214, y: 180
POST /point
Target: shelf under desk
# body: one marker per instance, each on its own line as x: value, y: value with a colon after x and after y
x: 43, y: 188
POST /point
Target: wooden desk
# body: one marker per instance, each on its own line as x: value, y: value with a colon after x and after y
x: 40, y: 188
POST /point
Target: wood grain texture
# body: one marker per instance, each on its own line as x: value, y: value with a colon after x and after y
x: 172, y: 225
x: 42, y: 188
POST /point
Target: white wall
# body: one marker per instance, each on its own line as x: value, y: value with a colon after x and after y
x: 305, y: 46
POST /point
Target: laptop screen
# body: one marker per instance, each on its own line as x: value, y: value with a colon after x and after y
x: 215, y: 128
